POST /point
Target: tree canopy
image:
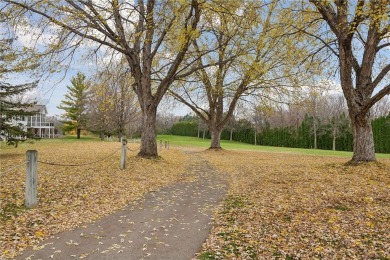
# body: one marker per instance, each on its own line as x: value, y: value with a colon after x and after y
x: 153, y: 36
x: 248, y: 53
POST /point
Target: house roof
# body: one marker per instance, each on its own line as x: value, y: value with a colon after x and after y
x: 40, y: 108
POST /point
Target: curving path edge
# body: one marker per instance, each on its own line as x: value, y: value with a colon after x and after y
x: 171, y: 223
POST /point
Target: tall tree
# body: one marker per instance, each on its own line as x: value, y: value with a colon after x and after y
x: 13, y: 60
x: 241, y: 40
x: 355, y: 33
x: 75, y: 105
x: 153, y: 36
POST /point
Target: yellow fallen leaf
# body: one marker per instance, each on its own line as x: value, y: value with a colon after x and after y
x: 39, y: 234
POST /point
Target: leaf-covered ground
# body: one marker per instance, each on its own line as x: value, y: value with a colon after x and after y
x: 285, y: 206
x: 280, y: 205
x: 70, y: 196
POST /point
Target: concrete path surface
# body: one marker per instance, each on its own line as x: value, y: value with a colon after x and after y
x: 171, y: 223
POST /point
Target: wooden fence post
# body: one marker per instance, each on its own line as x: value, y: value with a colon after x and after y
x: 123, y: 154
x: 31, y: 178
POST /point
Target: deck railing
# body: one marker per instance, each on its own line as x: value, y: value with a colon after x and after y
x: 38, y: 124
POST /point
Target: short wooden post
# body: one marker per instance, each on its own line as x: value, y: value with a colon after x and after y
x: 123, y: 154
x: 160, y: 144
x: 165, y: 144
x: 168, y: 145
x: 31, y: 178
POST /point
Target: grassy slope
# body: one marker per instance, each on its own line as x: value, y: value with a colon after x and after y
x: 205, y: 143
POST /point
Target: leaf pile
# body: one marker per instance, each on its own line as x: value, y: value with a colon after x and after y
x: 70, y: 196
x: 300, y: 207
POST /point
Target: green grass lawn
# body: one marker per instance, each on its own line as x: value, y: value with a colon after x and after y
x: 186, y: 141
x: 234, y: 145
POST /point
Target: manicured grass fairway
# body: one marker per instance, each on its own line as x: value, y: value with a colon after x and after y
x: 205, y: 143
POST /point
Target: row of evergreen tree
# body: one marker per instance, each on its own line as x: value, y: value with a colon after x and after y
x: 301, y: 137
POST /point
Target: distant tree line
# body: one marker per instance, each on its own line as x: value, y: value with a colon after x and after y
x: 289, y: 136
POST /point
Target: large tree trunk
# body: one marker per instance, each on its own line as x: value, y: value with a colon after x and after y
x: 363, y: 139
x: 231, y: 134
x: 215, y: 138
x: 78, y: 133
x: 148, y: 140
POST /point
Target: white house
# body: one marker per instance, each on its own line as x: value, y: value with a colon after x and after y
x: 37, y: 124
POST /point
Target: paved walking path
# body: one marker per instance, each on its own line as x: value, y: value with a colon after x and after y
x: 171, y: 223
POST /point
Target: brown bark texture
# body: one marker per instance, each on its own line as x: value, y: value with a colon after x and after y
x: 148, y: 148
x: 363, y: 140
x: 357, y: 79
x: 215, y: 139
